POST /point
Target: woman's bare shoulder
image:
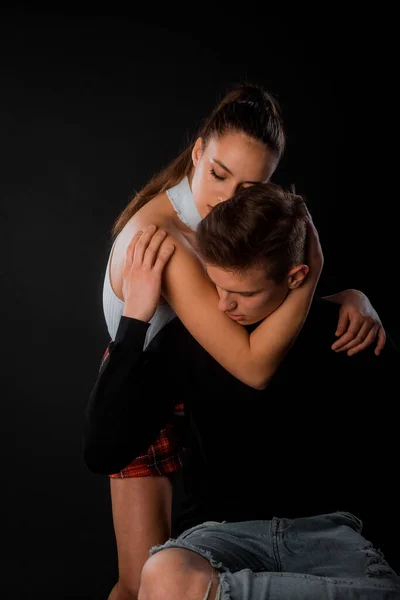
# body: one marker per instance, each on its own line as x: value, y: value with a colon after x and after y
x: 157, y: 212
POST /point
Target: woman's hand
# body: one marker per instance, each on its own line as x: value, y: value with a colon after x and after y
x: 359, y: 324
x: 145, y: 259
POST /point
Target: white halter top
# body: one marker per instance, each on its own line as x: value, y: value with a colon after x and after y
x: 182, y: 200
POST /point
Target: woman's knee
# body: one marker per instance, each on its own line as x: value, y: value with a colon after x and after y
x: 177, y: 574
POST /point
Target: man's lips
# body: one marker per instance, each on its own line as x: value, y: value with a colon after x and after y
x: 236, y: 317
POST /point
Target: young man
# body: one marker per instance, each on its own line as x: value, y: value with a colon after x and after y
x: 271, y: 477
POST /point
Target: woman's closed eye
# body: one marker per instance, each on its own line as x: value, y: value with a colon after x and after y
x: 214, y: 174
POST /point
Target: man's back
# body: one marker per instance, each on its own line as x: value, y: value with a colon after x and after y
x: 321, y: 437
x: 309, y: 443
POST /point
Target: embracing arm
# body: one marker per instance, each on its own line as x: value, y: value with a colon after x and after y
x: 254, y: 358
x: 128, y: 404
x: 359, y: 325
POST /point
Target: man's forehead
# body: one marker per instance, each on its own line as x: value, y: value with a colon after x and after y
x: 237, y: 281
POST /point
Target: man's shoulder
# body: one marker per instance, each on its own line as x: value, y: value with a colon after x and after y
x: 321, y: 321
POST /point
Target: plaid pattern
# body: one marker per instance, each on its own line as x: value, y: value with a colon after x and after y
x: 163, y: 457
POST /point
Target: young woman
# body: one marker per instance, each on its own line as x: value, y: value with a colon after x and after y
x: 240, y: 144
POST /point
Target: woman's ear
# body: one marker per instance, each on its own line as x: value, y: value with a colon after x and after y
x: 197, y: 151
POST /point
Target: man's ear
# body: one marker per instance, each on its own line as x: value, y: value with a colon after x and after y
x: 297, y: 275
x: 197, y: 151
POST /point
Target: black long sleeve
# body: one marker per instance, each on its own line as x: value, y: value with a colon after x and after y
x: 129, y: 402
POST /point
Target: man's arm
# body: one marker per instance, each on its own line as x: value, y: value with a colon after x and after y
x: 127, y: 406
x: 132, y: 399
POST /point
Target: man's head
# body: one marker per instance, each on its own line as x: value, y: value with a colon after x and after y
x: 253, y: 246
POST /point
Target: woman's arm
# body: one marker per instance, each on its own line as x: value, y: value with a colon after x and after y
x: 252, y: 359
x: 359, y: 324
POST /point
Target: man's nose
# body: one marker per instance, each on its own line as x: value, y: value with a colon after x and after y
x: 226, y: 302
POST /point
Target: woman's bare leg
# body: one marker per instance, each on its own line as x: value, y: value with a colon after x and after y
x: 141, y: 508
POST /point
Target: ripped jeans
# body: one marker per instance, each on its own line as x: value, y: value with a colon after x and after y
x: 323, y: 557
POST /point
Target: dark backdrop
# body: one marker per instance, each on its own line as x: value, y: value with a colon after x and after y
x: 92, y: 103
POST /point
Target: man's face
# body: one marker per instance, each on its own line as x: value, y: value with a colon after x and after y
x: 247, y: 298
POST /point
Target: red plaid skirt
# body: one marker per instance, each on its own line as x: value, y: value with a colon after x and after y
x: 163, y: 457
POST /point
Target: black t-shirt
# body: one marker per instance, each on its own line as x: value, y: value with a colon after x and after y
x: 304, y: 445
x: 321, y: 437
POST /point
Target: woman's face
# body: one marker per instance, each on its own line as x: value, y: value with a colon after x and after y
x: 224, y: 165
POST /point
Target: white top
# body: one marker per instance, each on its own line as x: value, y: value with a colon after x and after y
x: 182, y: 200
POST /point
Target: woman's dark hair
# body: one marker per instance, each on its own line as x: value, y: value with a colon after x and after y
x: 247, y: 108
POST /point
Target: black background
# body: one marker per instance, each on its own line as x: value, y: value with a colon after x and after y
x: 93, y: 102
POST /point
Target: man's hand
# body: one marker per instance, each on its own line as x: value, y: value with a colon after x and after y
x: 145, y: 259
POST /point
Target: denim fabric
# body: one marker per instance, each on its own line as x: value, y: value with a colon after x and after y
x: 319, y: 557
